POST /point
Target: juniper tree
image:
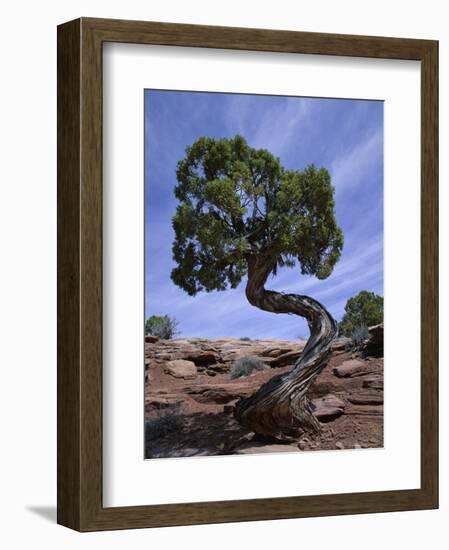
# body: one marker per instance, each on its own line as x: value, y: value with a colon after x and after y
x: 241, y: 213
x: 363, y: 310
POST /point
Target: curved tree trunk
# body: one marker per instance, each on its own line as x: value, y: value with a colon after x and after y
x: 280, y: 408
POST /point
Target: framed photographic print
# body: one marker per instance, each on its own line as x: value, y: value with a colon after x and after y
x: 247, y: 274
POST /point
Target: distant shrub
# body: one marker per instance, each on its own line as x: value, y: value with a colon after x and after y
x: 163, y: 326
x: 245, y: 339
x: 245, y: 365
x: 358, y: 337
x: 367, y: 308
x: 164, y: 423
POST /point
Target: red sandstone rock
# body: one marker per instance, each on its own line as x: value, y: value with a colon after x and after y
x: 352, y: 367
x: 366, y: 398
x: 181, y: 369
x: 328, y: 408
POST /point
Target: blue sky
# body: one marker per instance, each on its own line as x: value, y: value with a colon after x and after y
x: 344, y: 136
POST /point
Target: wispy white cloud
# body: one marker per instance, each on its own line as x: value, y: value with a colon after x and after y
x: 354, y: 166
x: 284, y: 126
x: 276, y: 126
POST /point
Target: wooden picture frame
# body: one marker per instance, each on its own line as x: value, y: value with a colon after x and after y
x: 80, y: 503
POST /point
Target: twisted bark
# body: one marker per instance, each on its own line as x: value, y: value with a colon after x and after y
x: 280, y: 408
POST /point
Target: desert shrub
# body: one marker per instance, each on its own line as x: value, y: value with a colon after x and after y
x: 163, y: 326
x: 245, y: 365
x: 164, y: 423
x: 245, y: 339
x: 358, y: 337
x: 365, y: 309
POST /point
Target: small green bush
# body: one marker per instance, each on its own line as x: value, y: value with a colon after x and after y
x: 245, y: 365
x: 164, y: 423
x: 245, y: 339
x: 163, y: 326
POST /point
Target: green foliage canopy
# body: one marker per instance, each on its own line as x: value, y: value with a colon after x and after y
x: 365, y: 309
x: 236, y: 201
